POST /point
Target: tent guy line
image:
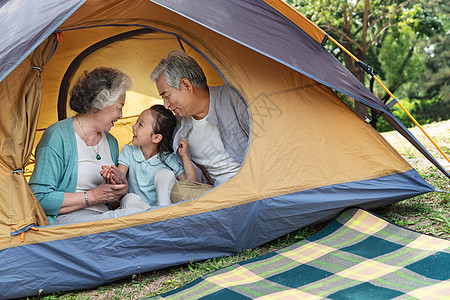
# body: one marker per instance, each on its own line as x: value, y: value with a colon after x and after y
x: 394, y: 101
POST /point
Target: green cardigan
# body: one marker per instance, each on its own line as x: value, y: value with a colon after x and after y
x: 56, y: 169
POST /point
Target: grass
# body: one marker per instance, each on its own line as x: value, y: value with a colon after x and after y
x: 429, y: 213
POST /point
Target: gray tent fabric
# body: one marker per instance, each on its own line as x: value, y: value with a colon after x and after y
x: 24, y: 27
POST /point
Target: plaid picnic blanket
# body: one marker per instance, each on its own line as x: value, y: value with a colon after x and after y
x: 357, y: 256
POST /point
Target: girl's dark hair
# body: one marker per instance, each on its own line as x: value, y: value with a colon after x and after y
x: 164, y: 124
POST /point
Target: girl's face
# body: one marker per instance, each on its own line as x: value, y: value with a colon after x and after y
x: 143, y: 129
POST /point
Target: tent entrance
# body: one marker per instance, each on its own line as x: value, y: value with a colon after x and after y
x: 75, y: 64
x: 135, y: 52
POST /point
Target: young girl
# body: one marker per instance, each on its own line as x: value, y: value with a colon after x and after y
x: 149, y: 163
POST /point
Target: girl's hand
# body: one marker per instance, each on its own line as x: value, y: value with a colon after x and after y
x: 183, y: 147
x: 117, y: 176
x: 106, y: 174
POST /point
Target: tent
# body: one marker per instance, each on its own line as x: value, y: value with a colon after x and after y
x: 308, y: 156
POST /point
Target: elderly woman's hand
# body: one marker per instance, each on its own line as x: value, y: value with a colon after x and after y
x: 108, y: 193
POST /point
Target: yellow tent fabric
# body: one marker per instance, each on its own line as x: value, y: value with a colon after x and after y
x: 297, y: 135
x: 18, y: 125
x: 310, y: 28
x: 300, y: 156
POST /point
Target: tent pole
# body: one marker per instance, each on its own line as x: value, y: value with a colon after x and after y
x: 369, y: 70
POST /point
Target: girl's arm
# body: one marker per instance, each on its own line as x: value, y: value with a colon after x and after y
x: 122, y: 176
x: 189, y: 171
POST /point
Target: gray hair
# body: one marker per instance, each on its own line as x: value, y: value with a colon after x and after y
x: 98, y: 89
x: 176, y: 66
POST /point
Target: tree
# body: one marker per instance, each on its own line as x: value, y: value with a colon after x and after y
x: 367, y: 28
x: 431, y: 91
x: 408, y: 41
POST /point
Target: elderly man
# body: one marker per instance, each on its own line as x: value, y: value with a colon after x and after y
x: 214, y: 120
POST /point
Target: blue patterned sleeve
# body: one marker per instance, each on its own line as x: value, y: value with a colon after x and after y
x: 174, y: 164
x: 125, y: 156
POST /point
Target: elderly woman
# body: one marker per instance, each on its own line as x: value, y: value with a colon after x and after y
x: 66, y: 179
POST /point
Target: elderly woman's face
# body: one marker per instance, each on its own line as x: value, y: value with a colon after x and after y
x: 107, y: 116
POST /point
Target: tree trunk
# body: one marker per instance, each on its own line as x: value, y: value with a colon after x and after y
x: 360, y: 109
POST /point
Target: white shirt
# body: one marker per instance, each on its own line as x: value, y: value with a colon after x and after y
x: 89, y: 167
x: 206, y: 149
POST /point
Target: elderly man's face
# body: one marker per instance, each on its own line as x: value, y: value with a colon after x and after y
x: 178, y: 101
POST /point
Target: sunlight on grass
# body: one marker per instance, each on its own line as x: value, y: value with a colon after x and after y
x: 429, y: 213
x: 440, y: 134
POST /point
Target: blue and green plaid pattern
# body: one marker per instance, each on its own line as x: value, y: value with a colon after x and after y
x: 357, y: 256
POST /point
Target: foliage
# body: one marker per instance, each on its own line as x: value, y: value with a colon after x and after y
x: 431, y: 91
x: 404, y: 41
x: 426, y: 94
x: 424, y: 111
